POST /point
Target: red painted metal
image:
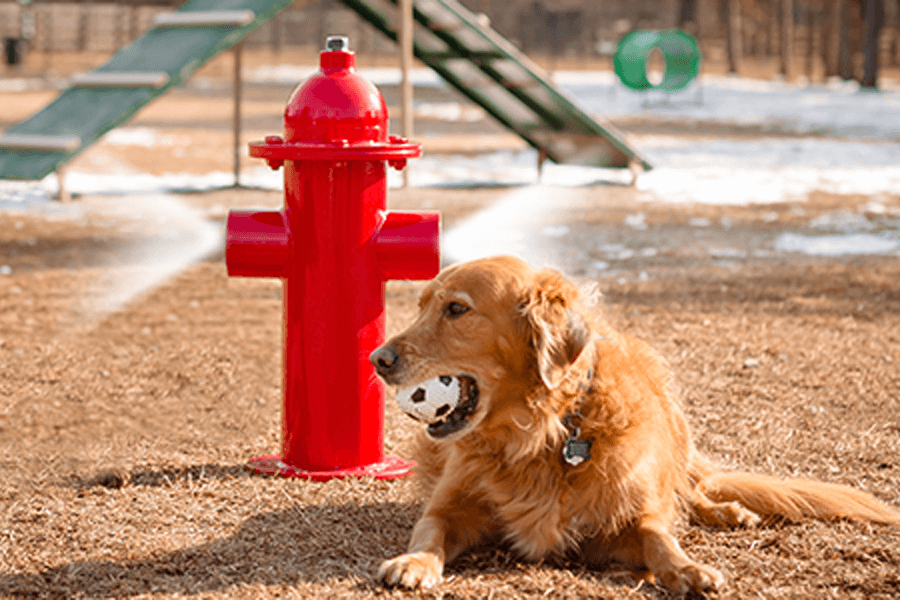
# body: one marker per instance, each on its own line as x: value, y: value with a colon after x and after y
x: 334, y: 244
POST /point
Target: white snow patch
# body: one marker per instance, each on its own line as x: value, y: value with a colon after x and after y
x: 836, y: 245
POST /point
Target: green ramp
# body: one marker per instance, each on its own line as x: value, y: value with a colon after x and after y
x: 490, y: 71
x: 98, y: 101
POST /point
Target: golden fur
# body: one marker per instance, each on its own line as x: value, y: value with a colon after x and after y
x: 541, y: 354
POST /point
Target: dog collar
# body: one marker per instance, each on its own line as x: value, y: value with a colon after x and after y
x: 576, y: 450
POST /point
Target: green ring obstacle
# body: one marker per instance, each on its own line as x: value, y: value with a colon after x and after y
x: 680, y: 52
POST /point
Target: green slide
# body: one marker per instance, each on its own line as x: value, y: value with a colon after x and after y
x: 450, y: 39
x: 105, y: 98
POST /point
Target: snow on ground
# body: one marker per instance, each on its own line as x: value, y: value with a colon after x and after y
x: 837, y: 245
x: 856, y: 150
x: 838, y: 108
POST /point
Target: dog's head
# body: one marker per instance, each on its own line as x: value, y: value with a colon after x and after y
x: 497, y: 332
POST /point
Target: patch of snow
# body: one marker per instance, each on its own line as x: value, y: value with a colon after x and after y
x: 836, y: 245
x: 842, y: 220
x: 636, y: 221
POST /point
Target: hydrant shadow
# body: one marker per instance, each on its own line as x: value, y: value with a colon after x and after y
x: 305, y: 544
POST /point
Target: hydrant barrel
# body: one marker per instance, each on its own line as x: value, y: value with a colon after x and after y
x: 335, y: 247
x: 334, y: 318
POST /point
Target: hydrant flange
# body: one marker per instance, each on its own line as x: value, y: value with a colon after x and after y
x: 396, y: 148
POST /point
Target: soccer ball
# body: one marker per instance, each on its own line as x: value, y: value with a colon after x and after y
x: 431, y: 400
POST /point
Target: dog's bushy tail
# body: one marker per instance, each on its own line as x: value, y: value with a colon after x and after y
x: 795, y: 499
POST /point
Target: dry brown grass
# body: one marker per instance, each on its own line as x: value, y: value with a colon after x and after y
x: 124, y: 437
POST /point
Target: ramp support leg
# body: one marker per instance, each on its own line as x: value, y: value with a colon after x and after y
x: 237, y: 112
x: 406, y: 89
x: 636, y: 168
x: 63, y: 195
x: 541, y: 159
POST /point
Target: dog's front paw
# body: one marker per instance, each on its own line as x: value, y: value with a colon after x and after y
x: 692, y: 577
x: 416, y: 570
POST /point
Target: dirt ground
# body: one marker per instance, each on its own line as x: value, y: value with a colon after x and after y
x: 124, y: 427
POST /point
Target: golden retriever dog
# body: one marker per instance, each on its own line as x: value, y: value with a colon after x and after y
x: 566, y: 436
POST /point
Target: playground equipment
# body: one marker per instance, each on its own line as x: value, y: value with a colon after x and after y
x: 470, y: 56
x: 487, y: 69
x: 105, y: 98
x: 334, y: 245
x: 680, y: 53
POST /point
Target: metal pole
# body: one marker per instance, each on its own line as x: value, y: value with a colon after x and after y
x: 406, y: 90
x: 237, y: 113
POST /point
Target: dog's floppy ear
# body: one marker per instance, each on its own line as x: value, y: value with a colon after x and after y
x: 558, y: 331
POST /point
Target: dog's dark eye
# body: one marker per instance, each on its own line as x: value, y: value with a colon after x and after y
x: 455, y: 309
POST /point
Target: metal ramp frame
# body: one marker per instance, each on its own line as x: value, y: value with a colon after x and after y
x: 96, y: 102
x: 483, y: 66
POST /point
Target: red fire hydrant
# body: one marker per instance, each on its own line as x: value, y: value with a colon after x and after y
x: 334, y: 245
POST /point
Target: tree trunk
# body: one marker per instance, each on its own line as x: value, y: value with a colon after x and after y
x: 810, y: 40
x: 873, y: 16
x: 688, y: 12
x: 831, y: 37
x: 687, y: 18
x: 731, y: 52
x: 845, y: 54
x: 787, y: 36
x: 84, y: 27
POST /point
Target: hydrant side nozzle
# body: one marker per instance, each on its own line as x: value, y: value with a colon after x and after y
x: 407, y: 245
x: 256, y: 243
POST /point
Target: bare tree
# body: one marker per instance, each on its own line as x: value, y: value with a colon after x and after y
x: 726, y: 12
x: 787, y: 36
x: 873, y: 17
x: 687, y: 18
x: 831, y: 37
x: 845, y: 51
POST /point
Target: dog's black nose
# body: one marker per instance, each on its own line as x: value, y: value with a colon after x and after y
x: 385, y: 360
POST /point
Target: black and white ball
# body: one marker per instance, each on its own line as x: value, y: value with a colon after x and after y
x: 431, y: 400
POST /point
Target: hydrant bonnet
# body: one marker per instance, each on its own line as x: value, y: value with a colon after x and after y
x: 336, y: 105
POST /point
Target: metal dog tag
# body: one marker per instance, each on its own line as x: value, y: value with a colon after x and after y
x: 576, y: 451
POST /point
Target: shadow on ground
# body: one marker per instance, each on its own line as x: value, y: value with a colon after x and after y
x: 283, y: 547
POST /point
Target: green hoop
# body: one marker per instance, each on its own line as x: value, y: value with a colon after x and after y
x: 680, y: 52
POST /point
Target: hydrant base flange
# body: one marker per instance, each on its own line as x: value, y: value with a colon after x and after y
x: 392, y: 467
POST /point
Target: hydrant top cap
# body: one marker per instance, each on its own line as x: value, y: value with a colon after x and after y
x: 337, y: 42
x: 336, y: 105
